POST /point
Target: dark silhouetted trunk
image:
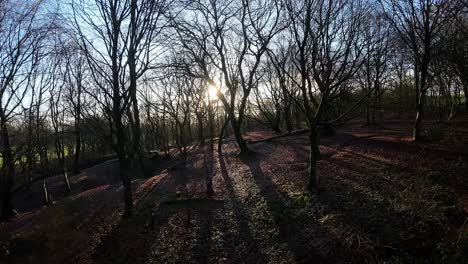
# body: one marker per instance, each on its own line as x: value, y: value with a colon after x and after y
x: 236, y: 125
x: 240, y: 140
x: 136, y: 124
x: 287, y: 110
x: 208, y: 162
x: 417, y: 129
x: 368, y: 113
x: 125, y: 167
x: 277, y: 120
x: 76, y: 161
x: 421, y: 82
x: 297, y: 118
x: 314, y: 155
x: 189, y: 130
x: 201, y: 136
x: 221, y: 134
x: 8, y: 172
x: 118, y: 110
x: 211, y: 118
x: 30, y: 149
x: 60, y: 152
x: 465, y: 91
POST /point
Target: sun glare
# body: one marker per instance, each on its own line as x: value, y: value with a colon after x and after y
x: 212, y: 92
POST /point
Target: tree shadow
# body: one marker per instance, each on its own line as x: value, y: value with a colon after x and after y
x: 363, y: 216
x: 412, y: 159
x: 140, y: 238
x: 202, y: 249
x: 291, y: 231
x: 255, y: 256
x: 208, y: 162
x: 131, y: 239
x: 193, y: 221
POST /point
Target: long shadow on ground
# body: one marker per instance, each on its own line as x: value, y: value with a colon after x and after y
x: 379, y: 208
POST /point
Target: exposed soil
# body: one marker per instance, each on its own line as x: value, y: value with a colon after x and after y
x: 381, y: 198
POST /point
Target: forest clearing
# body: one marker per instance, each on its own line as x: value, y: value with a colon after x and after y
x: 382, y: 198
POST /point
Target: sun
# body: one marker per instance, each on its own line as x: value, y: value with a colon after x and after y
x: 212, y: 92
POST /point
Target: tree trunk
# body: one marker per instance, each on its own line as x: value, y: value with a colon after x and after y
x: 297, y: 118
x: 125, y: 176
x: 44, y: 161
x: 189, y: 130
x: 60, y: 152
x: 314, y: 155
x: 208, y: 162
x: 374, y: 107
x: 76, y: 162
x: 277, y: 120
x: 125, y: 167
x: 132, y: 66
x: 417, y: 129
x: 66, y: 181
x: 287, y: 110
x: 45, y: 198
x: 465, y: 91
x: 30, y: 150
x: 416, y: 83
x: 240, y: 141
x: 236, y: 125
x: 211, y: 126
x: 221, y: 134
x: 368, y: 110
x: 400, y: 96
x: 201, y: 137
x: 8, y: 171
x: 136, y: 133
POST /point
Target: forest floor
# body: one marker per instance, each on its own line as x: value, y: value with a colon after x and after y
x: 381, y: 198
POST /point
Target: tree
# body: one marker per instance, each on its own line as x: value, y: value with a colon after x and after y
x: 278, y: 66
x: 105, y: 19
x: 374, y: 69
x: 419, y: 23
x: 269, y: 100
x: 457, y: 52
x: 226, y: 39
x: 327, y: 51
x: 144, y: 29
x: 177, y: 100
x: 21, y: 37
x: 75, y: 74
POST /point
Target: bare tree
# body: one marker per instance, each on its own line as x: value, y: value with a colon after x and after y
x: 446, y: 87
x: 457, y: 53
x: 75, y: 75
x: 269, y: 100
x: 278, y: 60
x: 375, y: 66
x: 145, y: 25
x: 21, y: 35
x: 104, y: 51
x: 327, y: 50
x: 400, y: 80
x: 227, y: 38
x: 419, y: 24
x: 57, y: 117
x: 177, y: 96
